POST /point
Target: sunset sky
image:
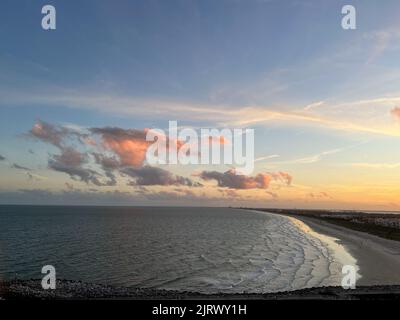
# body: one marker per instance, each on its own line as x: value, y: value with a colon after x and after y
x: 324, y: 102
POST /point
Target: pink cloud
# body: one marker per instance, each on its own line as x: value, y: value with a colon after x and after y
x: 230, y: 179
x: 395, y: 112
x: 129, y: 145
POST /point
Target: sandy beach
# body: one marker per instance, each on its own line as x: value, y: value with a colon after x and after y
x: 378, y: 258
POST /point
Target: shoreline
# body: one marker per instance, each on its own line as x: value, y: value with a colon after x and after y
x: 377, y: 258
x: 340, y: 253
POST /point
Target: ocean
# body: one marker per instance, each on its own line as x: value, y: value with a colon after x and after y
x: 206, y: 250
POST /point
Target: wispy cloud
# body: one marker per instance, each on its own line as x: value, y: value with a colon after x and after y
x: 381, y: 41
x: 19, y: 167
x: 376, y: 165
x: 34, y: 176
x: 319, y: 195
x: 314, y: 105
x: 382, y: 101
x: 317, y: 157
x: 221, y: 115
x: 272, y: 156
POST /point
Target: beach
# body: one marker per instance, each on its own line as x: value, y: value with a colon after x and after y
x: 377, y: 258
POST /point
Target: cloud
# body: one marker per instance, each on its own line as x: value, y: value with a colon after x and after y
x: 66, y: 197
x: 381, y: 40
x: 123, y: 151
x: 69, y: 186
x: 2, y: 158
x: 319, y: 195
x: 48, y: 133
x: 314, y: 105
x: 230, y: 179
x: 231, y: 193
x: 33, y: 176
x: 267, y: 157
x: 57, y: 135
x: 283, y: 176
x: 317, y: 157
x: 181, y: 195
x: 218, y: 114
x: 70, y: 161
x: 80, y: 173
x: 107, y: 163
x: 130, y: 145
x: 140, y: 196
x: 70, y: 157
x: 376, y: 165
x: 274, y: 195
x: 395, y: 112
x: 150, y: 176
x: 18, y: 167
x: 127, y: 147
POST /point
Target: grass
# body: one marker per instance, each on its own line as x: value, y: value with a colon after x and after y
x: 377, y: 230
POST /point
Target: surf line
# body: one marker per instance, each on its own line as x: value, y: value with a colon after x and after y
x: 339, y: 252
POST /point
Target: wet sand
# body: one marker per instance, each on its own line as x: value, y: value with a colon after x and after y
x: 377, y: 258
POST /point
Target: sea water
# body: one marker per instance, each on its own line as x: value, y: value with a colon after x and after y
x: 206, y: 250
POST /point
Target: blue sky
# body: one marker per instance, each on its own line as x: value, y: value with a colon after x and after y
x: 319, y: 97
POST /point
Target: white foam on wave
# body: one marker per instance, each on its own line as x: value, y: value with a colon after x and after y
x: 341, y: 255
x: 286, y: 255
x: 321, y: 257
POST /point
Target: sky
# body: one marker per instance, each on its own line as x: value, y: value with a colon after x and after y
x: 324, y: 102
